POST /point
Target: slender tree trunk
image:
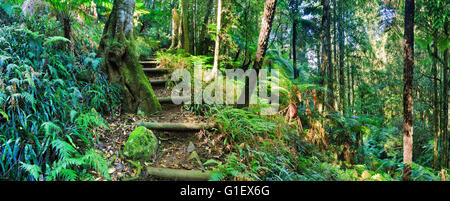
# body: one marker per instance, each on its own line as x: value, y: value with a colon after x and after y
x: 341, y: 58
x: 194, y: 22
x: 408, y: 89
x: 326, y: 64
x: 445, y: 106
x: 353, y: 87
x: 331, y: 96
x: 175, y: 28
x: 263, y: 41
x: 294, y: 51
x: 202, y: 37
x: 217, y: 46
x: 435, y: 109
x: 185, y: 24
x: 121, y: 60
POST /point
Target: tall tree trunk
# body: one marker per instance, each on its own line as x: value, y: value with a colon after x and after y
x: 408, y: 89
x: 326, y: 64
x: 217, y: 46
x: 263, y: 41
x: 194, y: 25
x: 121, y: 60
x: 341, y: 57
x: 175, y: 28
x: 185, y: 24
x: 294, y: 51
x: 445, y: 106
x: 203, y: 47
x: 435, y: 109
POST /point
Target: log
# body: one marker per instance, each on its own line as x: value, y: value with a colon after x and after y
x: 158, y: 82
x: 170, y: 100
x: 156, y: 70
x: 178, y: 126
x: 179, y: 174
x: 151, y: 64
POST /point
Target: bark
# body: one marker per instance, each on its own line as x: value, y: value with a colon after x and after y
x: 325, y: 56
x: 445, y: 107
x: 175, y: 28
x: 435, y: 110
x: 341, y: 58
x: 263, y: 41
x: 179, y: 174
x: 408, y: 89
x: 185, y: 24
x: 203, y: 44
x: 68, y: 30
x: 329, y: 65
x: 217, y: 46
x: 118, y: 49
x: 294, y: 51
x: 194, y: 25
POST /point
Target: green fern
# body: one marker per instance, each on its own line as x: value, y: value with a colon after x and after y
x: 33, y: 170
x: 55, y: 39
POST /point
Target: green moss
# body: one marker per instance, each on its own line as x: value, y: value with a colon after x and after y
x: 142, y: 144
x: 122, y: 64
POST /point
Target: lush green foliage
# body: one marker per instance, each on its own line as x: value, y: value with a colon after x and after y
x: 47, y: 110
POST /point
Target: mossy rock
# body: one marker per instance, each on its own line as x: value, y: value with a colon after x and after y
x: 142, y: 144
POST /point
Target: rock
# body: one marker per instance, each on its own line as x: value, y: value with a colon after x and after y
x: 35, y: 7
x: 142, y: 144
x: 191, y: 147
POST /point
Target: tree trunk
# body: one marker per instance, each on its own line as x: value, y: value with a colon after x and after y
x: 121, y: 60
x: 330, y: 77
x: 325, y: 56
x: 175, y: 28
x: 294, y: 51
x: 341, y: 58
x: 185, y: 24
x: 445, y: 106
x: 217, y: 46
x: 194, y: 25
x: 408, y: 89
x: 202, y: 38
x: 266, y: 27
x: 435, y: 109
x: 180, y: 174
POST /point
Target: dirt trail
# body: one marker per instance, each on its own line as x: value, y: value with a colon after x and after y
x: 175, y: 148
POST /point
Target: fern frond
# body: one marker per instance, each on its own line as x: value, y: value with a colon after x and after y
x: 55, y: 39
x: 34, y: 170
x: 63, y: 149
x: 97, y: 162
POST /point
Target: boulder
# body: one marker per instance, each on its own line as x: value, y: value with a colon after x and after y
x: 141, y: 145
x: 35, y: 7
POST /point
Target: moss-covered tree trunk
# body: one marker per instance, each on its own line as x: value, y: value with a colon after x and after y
x: 185, y: 24
x: 121, y: 63
x: 175, y: 28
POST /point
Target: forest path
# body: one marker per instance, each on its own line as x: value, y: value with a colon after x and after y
x: 179, y: 150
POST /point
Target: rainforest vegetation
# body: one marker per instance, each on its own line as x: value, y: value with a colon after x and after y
x: 85, y: 90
